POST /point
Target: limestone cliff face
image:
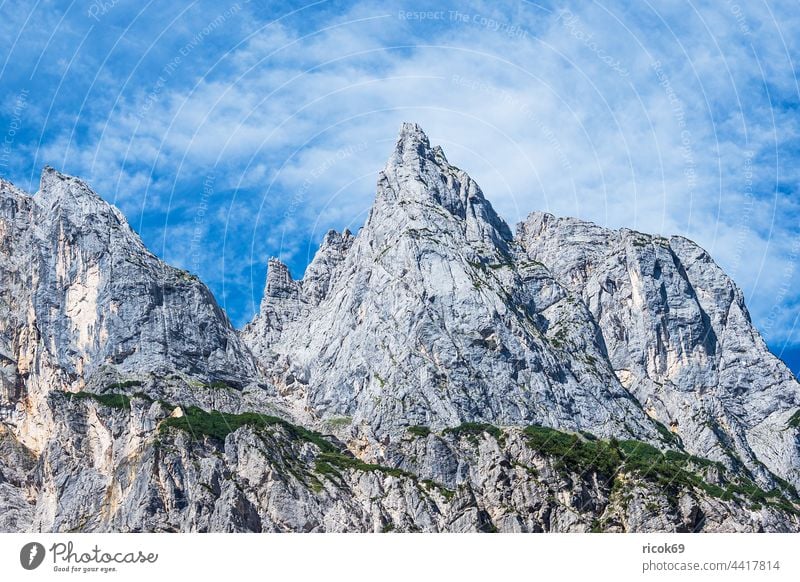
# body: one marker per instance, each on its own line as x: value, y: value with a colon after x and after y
x: 434, y: 372
x: 82, y: 297
x: 133, y: 467
x: 680, y: 339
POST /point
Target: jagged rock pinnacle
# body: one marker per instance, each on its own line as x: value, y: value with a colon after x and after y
x: 412, y: 144
x: 279, y: 280
x: 418, y: 179
x: 73, y: 196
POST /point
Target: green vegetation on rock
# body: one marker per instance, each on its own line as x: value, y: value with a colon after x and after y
x: 671, y: 470
x: 217, y: 425
x: 667, y: 435
x: 419, y: 431
x: 573, y: 452
x: 337, y: 460
x: 794, y: 422
x: 111, y: 400
x: 340, y: 421
x: 474, y: 429
x: 123, y: 384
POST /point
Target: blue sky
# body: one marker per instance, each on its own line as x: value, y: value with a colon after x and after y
x: 231, y: 131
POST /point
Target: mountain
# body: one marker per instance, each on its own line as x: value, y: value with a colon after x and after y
x: 433, y: 372
x: 679, y: 338
x: 433, y: 315
x: 83, y: 300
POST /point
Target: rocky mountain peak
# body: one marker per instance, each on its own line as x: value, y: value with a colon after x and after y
x: 418, y: 183
x: 67, y: 192
x: 425, y: 317
x: 320, y: 272
x: 12, y: 199
x: 7, y: 187
x: 434, y: 315
x: 70, y: 205
x: 92, y: 301
x: 412, y: 147
x: 334, y: 237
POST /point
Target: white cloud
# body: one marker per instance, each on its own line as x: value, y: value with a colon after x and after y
x: 568, y: 114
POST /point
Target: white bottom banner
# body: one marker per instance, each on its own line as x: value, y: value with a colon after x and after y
x: 407, y: 557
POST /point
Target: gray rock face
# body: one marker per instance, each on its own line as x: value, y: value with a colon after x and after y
x: 16, y: 218
x: 123, y: 305
x: 404, y: 384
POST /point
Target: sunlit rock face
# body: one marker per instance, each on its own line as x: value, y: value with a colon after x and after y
x: 434, y: 371
x: 435, y: 314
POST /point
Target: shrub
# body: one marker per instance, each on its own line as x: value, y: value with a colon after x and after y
x: 419, y: 431
x: 341, y: 461
x: 572, y: 452
x: 667, y: 435
x: 429, y: 484
x: 123, y: 384
x: 219, y: 385
x: 340, y: 421
x: 794, y: 422
x: 217, y: 425
x: 474, y: 429
x: 671, y: 470
x: 120, y: 401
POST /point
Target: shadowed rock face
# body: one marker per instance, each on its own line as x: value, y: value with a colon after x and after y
x: 400, y: 385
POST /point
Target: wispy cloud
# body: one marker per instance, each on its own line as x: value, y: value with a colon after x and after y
x: 675, y: 118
